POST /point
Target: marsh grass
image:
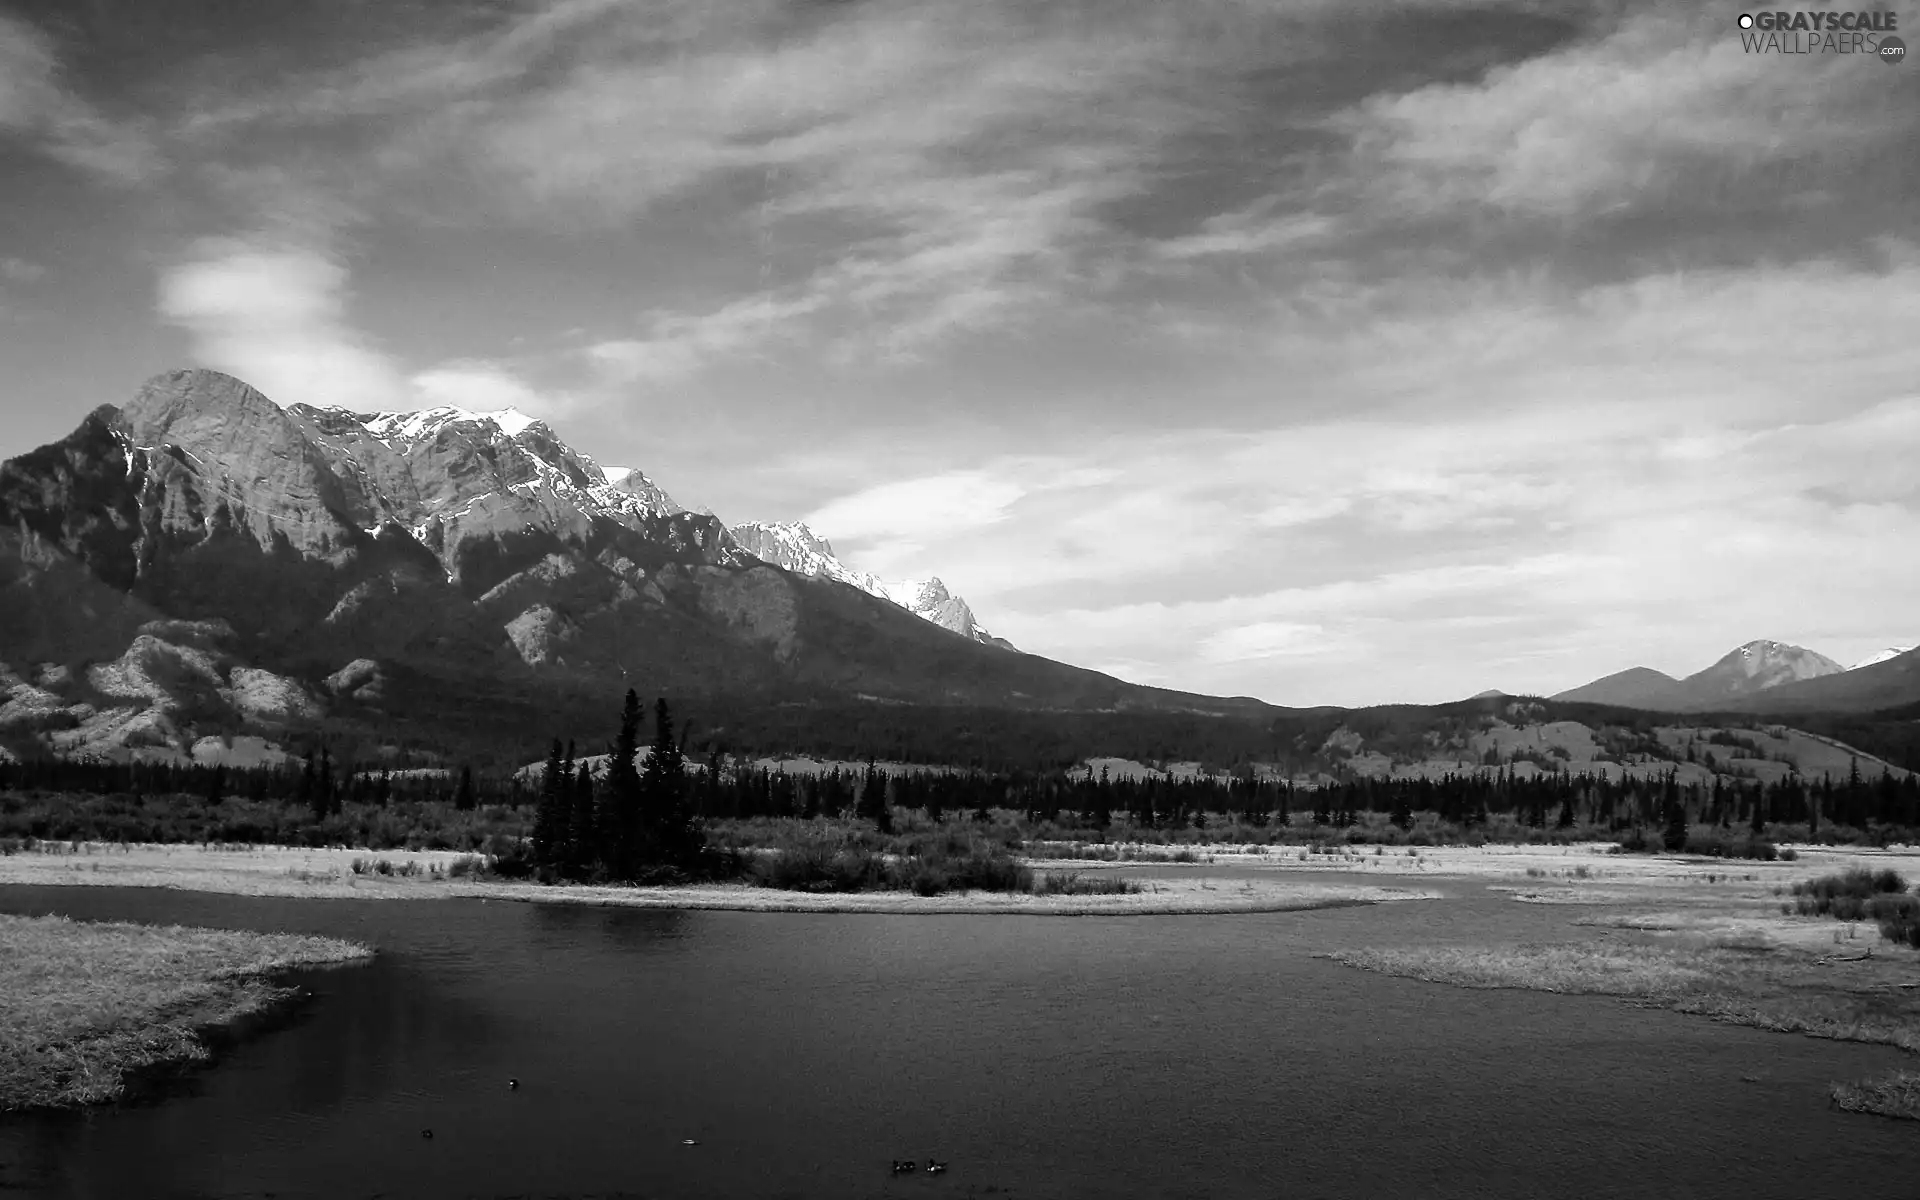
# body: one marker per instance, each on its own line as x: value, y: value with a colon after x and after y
x: 1739, y: 979
x: 1897, y: 1095
x: 85, y: 1008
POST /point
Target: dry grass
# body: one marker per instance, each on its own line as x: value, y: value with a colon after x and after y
x: 83, y: 1006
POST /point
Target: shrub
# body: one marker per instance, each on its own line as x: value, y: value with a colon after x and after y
x: 1072, y: 883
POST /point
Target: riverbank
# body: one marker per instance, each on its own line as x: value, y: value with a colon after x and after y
x: 428, y: 875
x: 86, y: 1008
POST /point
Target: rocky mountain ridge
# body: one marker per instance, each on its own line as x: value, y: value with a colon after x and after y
x: 797, y: 548
x: 252, y: 568
x: 1761, y: 674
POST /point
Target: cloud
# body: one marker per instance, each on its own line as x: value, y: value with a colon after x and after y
x: 482, y: 386
x: 1625, y: 117
x: 907, y: 510
x: 20, y: 270
x: 677, y: 345
x: 275, y: 315
x: 38, y: 106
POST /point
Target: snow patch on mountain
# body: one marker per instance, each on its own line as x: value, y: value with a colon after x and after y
x: 1881, y: 656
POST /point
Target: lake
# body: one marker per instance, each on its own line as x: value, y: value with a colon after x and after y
x: 1202, y: 1056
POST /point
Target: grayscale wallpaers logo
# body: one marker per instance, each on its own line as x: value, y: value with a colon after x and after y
x: 1823, y: 32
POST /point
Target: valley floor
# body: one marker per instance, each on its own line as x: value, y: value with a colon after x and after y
x: 85, y: 1007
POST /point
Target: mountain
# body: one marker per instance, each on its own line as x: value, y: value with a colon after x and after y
x: 202, y: 561
x: 1736, y: 681
x: 1889, y: 683
x: 799, y: 549
x: 1635, y: 687
x: 1880, y: 656
x: 1753, y: 668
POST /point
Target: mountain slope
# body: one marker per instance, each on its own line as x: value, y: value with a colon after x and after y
x: 1880, y: 656
x: 1635, y: 687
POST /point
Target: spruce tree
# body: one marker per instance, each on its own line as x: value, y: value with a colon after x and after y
x: 464, y: 798
x: 620, y: 826
x: 669, y: 833
x: 583, y: 848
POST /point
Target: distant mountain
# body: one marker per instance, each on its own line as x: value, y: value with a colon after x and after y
x: 1890, y: 683
x: 1744, y: 671
x: 1635, y: 687
x: 202, y: 561
x: 1753, y: 668
x: 800, y: 550
x: 1489, y: 694
x: 1880, y: 656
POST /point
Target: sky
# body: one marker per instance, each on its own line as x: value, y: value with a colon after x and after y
x: 1325, y: 351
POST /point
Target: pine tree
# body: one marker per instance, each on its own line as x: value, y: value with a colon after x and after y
x: 1675, y: 833
x: 549, y: 816
x: 464, y: 798
x: 217, y: 786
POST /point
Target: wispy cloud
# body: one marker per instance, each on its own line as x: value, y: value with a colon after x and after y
x: 37, y: 106
x: 1657, y: 97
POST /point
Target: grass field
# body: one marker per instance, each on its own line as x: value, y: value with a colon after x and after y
x: 86, y: 1007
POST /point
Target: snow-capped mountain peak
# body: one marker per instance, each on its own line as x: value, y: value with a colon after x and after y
x: 425, y: 422
x: 798, y: 548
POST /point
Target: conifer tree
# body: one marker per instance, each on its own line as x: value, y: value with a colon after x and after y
x: 217, y: 785
x: 669, y: 833
x: 464, y: 798
x: 549, y: 829
x: 620, y: 825
x: 583, y: 847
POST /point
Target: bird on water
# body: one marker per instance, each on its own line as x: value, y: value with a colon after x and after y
x: 935, y: 1168
x: 905, y: 1166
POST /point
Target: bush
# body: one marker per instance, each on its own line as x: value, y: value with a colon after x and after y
x: 1072, y: 883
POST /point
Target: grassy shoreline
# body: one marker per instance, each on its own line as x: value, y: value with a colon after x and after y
x: 88, y: 1009
x: 1714, y: 961
x: 320, y: 874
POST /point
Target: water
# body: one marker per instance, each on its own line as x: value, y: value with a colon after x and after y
x: 1042, y: 1057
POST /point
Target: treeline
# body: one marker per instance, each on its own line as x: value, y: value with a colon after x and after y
x: 317, y: 782
x: 635, y: 821
x: 1536, y: 800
